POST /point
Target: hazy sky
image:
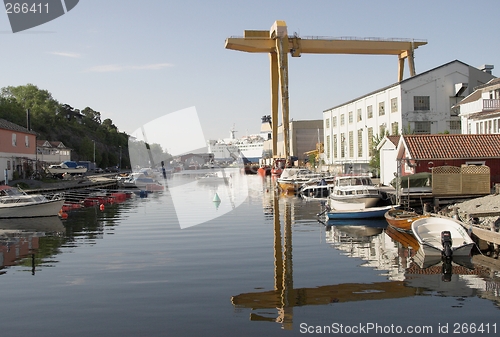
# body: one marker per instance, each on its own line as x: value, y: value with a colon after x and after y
x: 135, y: 61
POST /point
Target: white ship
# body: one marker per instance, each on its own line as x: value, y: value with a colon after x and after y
x: 249, y: 147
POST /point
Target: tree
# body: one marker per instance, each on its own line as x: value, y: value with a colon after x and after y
x: 42, y: 106
x: 375, y: 158
x: 108, y: 124
x: 12, y: 111
x: 91, y: 116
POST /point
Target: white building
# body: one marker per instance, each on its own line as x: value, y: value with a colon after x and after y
x: 421, y: 104
x: 480, y: 111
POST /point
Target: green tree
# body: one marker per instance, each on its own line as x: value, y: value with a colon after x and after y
x: 375, y: 158
x: 42, y: 106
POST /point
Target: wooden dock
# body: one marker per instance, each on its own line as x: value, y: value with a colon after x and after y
x: 64, y: 186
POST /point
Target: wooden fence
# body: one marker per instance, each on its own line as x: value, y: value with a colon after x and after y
x: 454, y: 180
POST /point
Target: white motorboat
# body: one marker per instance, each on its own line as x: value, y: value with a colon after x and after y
x: 317, y: 188
x: 15, y: 203
x: 70, y: 167
x: 141, y: 181
x: 442, y: 236
x: 355, y: 188
x: 212, y: 178
x: 292, y: 179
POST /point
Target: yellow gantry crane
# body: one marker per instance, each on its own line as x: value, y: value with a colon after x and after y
x: 277, y: 43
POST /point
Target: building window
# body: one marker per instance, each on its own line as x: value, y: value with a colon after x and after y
x: 382, y: 131
x: 342, y: 119
x: 27, y: 141
x: 360, y: 143
x: 422, y: 127
x: 395, y: 128
x: 455, y: 125
x: 421, y: 103
x: 342, y: 145
x: 370, y: 142
x: 394, y: 104
x: 334, y: 121
x: 381, y: 108
x: 335, y: 145
x: 350, y: 117
x: 351, y: 144
x: 14, y: 139
x: 328, y: 146
x: 369, y: 111
x: 327, y: 123
x: 495, y: 129
x: 360, y: 117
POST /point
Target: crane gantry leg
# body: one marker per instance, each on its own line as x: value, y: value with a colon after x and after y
x: 278, y: 44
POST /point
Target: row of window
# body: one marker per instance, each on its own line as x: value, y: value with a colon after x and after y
x: 420, y: 103
x: 489, y: 126
x: 350, y: 142
x: 422, y: 127
x: 26, y: 140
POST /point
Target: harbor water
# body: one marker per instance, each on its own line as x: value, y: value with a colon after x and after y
x: 265, y: 267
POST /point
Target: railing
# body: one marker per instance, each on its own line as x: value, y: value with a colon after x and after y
x: 491, y: 104
x: 343, y: 38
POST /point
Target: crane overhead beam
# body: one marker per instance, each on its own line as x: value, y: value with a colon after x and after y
x: 277, y: 43
x: 325, y: 46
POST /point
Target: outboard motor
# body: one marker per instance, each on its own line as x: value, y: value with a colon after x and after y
x: 446, y: 241
x: 446, y: 270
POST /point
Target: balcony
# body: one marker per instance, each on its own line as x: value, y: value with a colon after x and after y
x: 491, y: 104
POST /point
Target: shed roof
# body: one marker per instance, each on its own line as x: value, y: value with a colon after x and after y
x: 6, y: 125
x: 452, y: 146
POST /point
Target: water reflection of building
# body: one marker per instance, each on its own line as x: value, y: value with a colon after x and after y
x: 399, y: 256
x: 371, y: 242
x: 20, y: 238
x: 277, y: 305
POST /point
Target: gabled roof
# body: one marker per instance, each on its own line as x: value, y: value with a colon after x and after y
x: 393, y: 139
x: 475, y: 96
x: 6, y: 125
x: 452, y: 146
x: 398, y: 83
x: 46, y: 143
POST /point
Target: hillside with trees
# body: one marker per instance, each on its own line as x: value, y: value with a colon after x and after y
x: 77, y: 129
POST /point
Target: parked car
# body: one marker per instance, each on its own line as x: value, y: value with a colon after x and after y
x: 112, y: 169
x: 98, y: 170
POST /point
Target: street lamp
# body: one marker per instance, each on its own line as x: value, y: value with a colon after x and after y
x: 94, y: 153
x: 120, y: 162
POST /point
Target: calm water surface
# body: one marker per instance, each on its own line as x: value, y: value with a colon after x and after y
x: 267, y: 268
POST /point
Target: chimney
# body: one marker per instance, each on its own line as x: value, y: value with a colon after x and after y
x: 487, y: 68
x: 28, y: 120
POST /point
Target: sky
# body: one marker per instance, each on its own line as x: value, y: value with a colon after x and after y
x: 136, y: 61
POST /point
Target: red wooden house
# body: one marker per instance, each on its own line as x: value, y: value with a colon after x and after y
x: 420, y: 153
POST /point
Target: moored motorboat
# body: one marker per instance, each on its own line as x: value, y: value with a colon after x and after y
x: 442, y: 236
x: 356, y: 188
x: 141, y: 181
x: 402, y: 219
x: 358, y: 212
x: 212, y: 178
x: 317, y: 188
x: 292, y: 178
x: 15, y: 203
